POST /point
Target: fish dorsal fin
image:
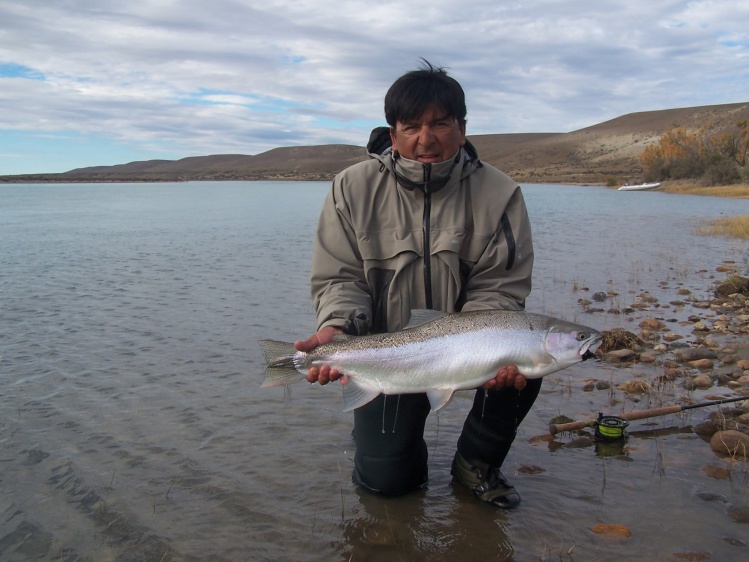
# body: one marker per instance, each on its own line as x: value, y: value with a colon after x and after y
x: 355, y: 395
x: 420, y: 316
x: 439, y: 397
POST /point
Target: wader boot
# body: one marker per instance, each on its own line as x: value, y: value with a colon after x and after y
x: 487, y: 436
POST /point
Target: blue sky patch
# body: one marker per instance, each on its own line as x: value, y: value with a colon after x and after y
x: 12, y: 70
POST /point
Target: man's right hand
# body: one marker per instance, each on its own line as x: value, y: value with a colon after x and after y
x: 323, y: 374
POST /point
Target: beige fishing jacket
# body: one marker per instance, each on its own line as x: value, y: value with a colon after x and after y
x: 469, y: 219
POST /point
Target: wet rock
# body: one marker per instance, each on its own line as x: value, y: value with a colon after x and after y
x: 652, y: 324
x: 733, y: 285
x: 589, y: 387
x: 740, y: 514
x: 648, y: 357
x: 603, y: 385
x: 716, y: 472
x: 743, y: 380
x: 600, y: 296
x: 671, y: 373
x: 694, y: 353
x: 701, y: 364
x: 531, y: 469
x: 734, y: 541
x: 703, y: 381
x: 700, y: 327
x: 707, y: 428
x: 692, y: 556
x: 711, y: 497
x: 621, y: 355
x: 611, y: 530
x: 672, y: 337
x: 728, y: 359
x: 743, y: 364
x: 732, y: 443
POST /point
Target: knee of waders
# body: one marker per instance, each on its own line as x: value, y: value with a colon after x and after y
x: 393, y: 476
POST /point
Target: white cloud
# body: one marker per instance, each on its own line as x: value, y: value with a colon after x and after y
x: 191, y: 77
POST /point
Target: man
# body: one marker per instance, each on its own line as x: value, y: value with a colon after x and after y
x: 424, y: 224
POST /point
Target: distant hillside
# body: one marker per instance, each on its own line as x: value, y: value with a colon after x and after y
x: 597, y: 154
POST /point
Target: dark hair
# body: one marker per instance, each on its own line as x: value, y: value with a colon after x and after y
x: 412, y: 93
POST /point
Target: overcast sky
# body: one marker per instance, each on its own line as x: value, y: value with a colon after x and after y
x: 102, y: 82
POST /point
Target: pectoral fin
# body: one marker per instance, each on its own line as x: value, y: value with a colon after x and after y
x: 439, y: 398
x: 355, y: 395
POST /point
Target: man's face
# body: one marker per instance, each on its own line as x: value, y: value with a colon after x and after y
x: 431, y: 138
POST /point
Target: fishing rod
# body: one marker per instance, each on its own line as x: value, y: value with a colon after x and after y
x: 637, y: 415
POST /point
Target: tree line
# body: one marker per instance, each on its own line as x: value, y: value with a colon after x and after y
x: 713, y: 158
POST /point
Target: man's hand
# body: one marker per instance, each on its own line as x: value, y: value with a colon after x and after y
x: 506, y: 377
x: 323, y: 374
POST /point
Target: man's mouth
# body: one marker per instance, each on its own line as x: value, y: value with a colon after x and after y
x: 428, y: 158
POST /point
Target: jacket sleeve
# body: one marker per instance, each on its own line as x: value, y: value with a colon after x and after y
x: 502, y: 276
x: 340, y: 292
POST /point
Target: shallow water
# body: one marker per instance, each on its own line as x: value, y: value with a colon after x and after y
x: 133, y: 427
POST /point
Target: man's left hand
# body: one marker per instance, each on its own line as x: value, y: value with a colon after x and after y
x: 506, y: 377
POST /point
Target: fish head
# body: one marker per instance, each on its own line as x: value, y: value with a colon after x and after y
x: 569, y: 343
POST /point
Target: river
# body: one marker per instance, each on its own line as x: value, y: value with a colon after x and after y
x: 133, y: 426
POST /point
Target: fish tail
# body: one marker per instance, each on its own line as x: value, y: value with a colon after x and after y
x: 279, y: 357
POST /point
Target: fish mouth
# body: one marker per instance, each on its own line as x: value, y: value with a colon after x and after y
x: 588, y: 350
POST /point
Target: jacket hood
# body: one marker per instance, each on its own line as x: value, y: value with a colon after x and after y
x: 380, y: 148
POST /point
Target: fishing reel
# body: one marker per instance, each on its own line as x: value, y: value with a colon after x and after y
x: 611, y: 428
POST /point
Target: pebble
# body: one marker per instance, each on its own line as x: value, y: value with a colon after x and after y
x: 716, y: 472
x: 652, y: 324
x: 701, y: 364
x: 740, y: 514
x: 731, y: 442
x: 703, y: 381
x: 693, y: 353
x: 619, y: 355
x: 611, y: 530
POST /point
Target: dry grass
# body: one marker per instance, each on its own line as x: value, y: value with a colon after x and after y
x: 738, y: 191
x: 732, y: 227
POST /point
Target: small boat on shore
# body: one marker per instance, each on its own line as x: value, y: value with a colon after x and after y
x: 639, y: 186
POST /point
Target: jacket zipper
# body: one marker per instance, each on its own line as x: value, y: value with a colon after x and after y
x: 426, y: 233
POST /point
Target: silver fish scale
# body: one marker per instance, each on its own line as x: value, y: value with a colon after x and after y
x: 451, y: 324
x: 439, y: 356
x: 470, y: 346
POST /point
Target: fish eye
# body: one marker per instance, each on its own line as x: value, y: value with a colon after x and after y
x: 582, y: 336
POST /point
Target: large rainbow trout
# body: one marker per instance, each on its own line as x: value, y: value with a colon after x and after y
x: 438, y: 353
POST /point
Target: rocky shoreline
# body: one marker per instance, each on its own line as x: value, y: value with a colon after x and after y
x: 714, y: 363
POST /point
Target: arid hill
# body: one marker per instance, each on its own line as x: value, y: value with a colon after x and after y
x: 607, y: 152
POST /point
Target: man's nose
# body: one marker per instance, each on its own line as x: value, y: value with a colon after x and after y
x: 426, y: 134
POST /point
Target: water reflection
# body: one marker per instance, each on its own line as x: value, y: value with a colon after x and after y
x: 421, y: 526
